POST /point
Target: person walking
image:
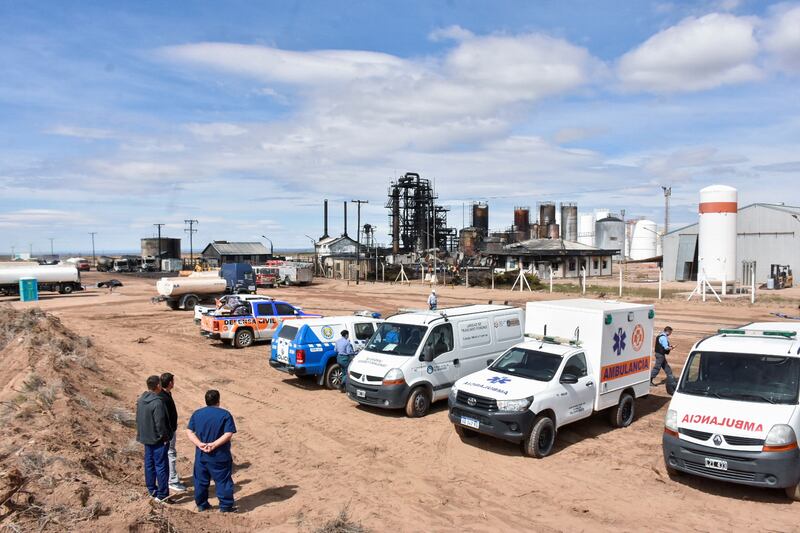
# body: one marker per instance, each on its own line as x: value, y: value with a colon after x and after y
x: 433, y: 301
x: 344, y: 354
x: 210, y: 429
x: 167, y: 384
x: 152, y: 430
x: 662, y: 349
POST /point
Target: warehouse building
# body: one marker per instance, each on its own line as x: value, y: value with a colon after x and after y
x: 566, y: 258
x: 220, y: 252
x: 766, y: 234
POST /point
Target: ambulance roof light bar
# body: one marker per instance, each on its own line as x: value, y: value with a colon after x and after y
x: 758, y: 333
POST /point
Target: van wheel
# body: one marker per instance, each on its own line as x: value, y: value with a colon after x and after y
x: 793, y: 492
x: 419, y: 401
x: 334, y: 376
x: 66, y: 289
x: 622, y: 414
x: 243, y: 338
x: 465, y: 433
x: 539, y: 443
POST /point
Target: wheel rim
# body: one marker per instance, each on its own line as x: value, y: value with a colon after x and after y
x: 627, y: 411
x: 245, y: 339
x: 420, y: 403
x: 336, y: 376
x: 545, y: 440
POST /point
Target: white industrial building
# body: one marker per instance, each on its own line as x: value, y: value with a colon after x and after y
x: 765, y: 233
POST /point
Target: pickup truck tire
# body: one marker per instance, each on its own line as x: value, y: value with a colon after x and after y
x: 333, y: 376
x: 418, y: 403
x: 793, y: 492
x: 622, y: 414
x: 539, y: 443
x: 243, y: 338
x: 465, y: 433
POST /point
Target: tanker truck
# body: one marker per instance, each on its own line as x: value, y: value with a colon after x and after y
x: 186, y: 292
x: 58, y: 278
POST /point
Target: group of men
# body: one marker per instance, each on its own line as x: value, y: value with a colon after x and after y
x: 210, y: 429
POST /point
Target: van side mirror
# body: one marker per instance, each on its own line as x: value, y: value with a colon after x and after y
x: 489, y: 362
x: 569, y: 379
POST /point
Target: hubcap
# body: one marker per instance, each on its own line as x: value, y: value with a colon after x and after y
x: 244, y: 339
x: 336, y: 377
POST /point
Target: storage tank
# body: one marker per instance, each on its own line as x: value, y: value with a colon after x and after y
x: 553, y: 232
x: 170, y: 248
x: 534, y: 231
x: 586, y: 229
x: 600, y: 214
x: 42, y: 273
x: 480, y: 217
x: 644, y: 240
x: 468, y: 241
x: 569, y: 222
x: 184, y: 285
x: 716, y: 246
x: 609, y: 234
x: 547, y: 214
x: 522, y: 223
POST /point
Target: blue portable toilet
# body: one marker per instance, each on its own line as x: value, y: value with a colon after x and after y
x: 28, y: 290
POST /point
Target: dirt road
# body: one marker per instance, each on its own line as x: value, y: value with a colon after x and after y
x: 303, y: 453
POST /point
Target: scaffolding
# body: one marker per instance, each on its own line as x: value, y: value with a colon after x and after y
x: 418, y: 223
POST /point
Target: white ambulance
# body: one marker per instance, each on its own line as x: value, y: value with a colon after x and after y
x: 583, y: 356
x: 734, y: 416
x: 414, y: 358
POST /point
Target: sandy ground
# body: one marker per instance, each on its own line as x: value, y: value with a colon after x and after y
x: 304, y: 453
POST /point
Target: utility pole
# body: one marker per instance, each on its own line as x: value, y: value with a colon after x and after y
x: 159, y: 245
x: 51, y: 247
x: 358, y: 238
x: 12, y: 252
x: 667, y: 194
x: 190, y: 230
x: 94, y: 261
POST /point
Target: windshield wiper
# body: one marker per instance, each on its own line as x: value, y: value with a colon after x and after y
x: 749, y: 395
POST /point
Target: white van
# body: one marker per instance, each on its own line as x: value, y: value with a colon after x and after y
x: 414, y: 358
x: 734, y: 416
x: 584, y: 356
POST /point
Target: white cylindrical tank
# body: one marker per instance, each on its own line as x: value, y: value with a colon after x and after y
x: 644, y: 240
x: 186, y: 285
x: 716, y: 247
x: 586, y: 229
x: 42, y: 273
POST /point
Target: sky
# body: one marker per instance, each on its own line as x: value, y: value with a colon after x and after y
x: 245, y: 115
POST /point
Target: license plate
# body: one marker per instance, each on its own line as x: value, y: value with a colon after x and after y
x: 716, y: 464
x: 361, y: 393
x: 470, y: 422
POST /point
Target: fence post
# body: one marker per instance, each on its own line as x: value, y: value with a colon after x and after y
x: 659, y: 283
x: 583, y: 276
x: 551, y: 278
x: 491, y: 273
x: 467, y: 277
x: 753, y: 284
x: 620, y: 281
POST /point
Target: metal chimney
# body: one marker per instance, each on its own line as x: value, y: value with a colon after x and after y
x: 345, y: 219
x: 325, y: 233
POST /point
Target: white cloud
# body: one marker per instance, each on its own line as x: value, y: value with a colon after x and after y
x: 41, y: 218
x: 696, y: 54
x: 782, y: 36
x: 80, y: 132
x: 450, y: 33
x: 214, y: 130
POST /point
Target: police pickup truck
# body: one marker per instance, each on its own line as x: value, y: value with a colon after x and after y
x: 584, y: 356
x: 307, y: 347
x: 256, y: 321
x: 735, y: 415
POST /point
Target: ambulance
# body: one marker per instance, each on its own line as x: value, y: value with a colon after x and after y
x: 582, y: 356
x: 413, y: 358
x: 734, y: 416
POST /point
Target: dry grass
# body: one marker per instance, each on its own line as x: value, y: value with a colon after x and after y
x: 342, y: 523
x: 122, y: 416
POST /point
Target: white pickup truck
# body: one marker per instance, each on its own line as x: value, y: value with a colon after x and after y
x: 584, y: 356
x: 735, y: 415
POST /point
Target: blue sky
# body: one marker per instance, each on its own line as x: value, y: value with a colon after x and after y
x: 244, y: 115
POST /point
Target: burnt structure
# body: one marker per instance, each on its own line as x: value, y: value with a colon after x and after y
x: 417, y: 223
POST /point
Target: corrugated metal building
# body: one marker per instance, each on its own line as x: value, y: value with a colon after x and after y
x: 219, y: 252
x: 565, y: 257
x: 766, y: 233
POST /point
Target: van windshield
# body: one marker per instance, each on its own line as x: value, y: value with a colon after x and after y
x: 531, y: 364
x: 396, y: 339
x: 744, y: 377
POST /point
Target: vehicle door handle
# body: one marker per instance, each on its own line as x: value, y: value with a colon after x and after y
x: 590, y: 383
x: 456, y: 362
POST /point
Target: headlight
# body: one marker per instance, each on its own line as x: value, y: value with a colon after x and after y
x: 394, y: 377
x: 514, y: 405
x: 780, y: 438
x: 453, y: 393
x: 671, y: 420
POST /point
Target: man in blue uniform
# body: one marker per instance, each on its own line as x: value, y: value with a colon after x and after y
x: 344, y: 354
x: 433, y: 301
x: 662, y: 349
x: 210, y: 430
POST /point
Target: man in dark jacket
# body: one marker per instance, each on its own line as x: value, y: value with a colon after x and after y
x: 152, y: 430
x: 167, y: 383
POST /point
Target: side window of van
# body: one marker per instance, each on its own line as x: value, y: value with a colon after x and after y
x: 576, y: 366
x: 364, y: 331
x: 441, y: 339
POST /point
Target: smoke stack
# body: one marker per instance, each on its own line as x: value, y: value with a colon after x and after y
x: 325, y: 233
x: 345, y: 219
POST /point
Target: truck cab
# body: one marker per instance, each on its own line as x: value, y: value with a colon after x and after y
x: 307, y: 347
x: 734, y: 415
x: 257, y: 321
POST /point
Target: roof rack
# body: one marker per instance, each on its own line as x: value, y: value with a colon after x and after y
x: 758, y: 333
x: 550, y: 339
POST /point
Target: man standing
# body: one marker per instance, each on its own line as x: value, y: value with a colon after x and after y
x: 167, y: 384
x: 210, y: 430
x: 152, y: 430
x: 344, y: 354
x: 432, y: 300
x: 662, y: 349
